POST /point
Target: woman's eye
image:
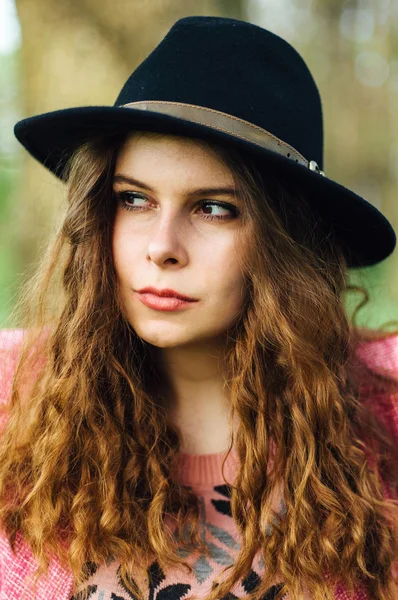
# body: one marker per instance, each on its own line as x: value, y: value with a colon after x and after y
x: 127, y: 199
x: 228, y: 211
x: 210, y: 209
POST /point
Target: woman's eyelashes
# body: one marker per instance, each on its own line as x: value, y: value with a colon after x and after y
x: 127, y: 198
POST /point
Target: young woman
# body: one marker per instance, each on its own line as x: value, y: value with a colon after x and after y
x: 188, y: 411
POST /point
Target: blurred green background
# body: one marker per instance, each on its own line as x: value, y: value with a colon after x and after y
x: 59, y: 54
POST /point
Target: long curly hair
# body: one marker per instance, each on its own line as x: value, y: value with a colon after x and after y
x: 87, y: 452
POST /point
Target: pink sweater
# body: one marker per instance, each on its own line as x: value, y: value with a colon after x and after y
x: 203, y: 473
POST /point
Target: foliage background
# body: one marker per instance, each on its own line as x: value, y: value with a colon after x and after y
x: 80, y: 52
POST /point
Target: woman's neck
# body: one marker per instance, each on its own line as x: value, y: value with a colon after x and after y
x: 199, y: 406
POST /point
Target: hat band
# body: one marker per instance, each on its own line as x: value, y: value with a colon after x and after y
x: 227, y: 124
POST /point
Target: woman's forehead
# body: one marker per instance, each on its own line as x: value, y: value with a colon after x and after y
x: 146, y: 150
x: 153, y: 139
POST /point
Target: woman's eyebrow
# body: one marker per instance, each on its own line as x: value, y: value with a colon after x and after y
x: 120, y: 178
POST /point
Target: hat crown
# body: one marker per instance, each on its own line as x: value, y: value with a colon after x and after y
x: 237, y: 68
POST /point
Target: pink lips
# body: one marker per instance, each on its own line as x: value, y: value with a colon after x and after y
x: 166, y: 299
x: 166, y: 293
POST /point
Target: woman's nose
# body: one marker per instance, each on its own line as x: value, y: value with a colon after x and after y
x: 166, y: 239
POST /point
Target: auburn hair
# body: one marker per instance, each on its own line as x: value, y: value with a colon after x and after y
x: 87, y: 451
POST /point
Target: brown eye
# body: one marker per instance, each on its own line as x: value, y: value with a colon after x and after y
x: 128, y: 199
x: 232, y: 210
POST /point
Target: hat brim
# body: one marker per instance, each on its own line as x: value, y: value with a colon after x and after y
x: 51, y: 138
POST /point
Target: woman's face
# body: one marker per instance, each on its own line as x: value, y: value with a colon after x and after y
x: 168, y: 233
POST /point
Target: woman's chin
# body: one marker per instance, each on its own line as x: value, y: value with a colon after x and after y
x: 163, y: 338
x: 169, y: 337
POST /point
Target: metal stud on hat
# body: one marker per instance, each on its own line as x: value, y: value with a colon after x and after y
x: 233, y: 83
x: 314, y: 167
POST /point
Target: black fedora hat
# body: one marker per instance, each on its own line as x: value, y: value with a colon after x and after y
x: 234, y: 83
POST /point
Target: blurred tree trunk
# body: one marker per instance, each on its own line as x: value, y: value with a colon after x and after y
x: 81, y: 53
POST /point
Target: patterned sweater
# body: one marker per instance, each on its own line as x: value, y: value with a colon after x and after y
x: 203, y: 474
x: 218, y: 530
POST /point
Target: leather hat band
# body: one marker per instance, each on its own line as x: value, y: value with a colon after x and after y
x: 227, y: 124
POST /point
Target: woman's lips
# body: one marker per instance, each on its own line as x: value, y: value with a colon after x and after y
x: 163, y: 303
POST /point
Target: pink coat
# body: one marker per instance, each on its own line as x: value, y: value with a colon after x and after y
x: 57, y: 585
